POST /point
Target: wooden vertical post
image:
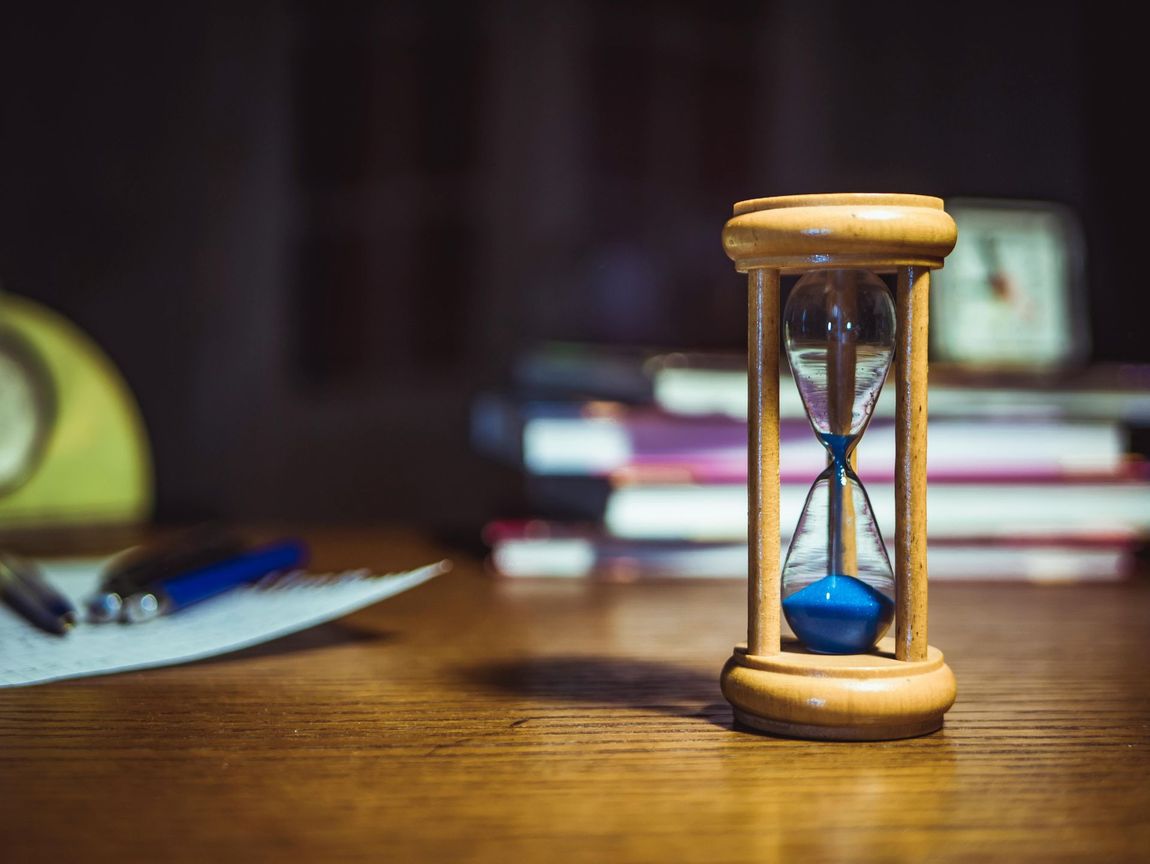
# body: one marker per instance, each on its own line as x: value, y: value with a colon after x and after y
x: 763, y: 461
x: 910, y: 463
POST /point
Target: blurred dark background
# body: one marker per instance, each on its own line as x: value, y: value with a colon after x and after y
x: 309, y: 232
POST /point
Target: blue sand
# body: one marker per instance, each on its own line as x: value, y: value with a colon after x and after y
x: 838, y: 445
x: 838, y: 615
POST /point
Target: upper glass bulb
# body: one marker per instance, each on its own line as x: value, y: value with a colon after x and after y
x: 839, y: 326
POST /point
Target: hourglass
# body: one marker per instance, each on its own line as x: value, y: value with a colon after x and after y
x: 839, y: 678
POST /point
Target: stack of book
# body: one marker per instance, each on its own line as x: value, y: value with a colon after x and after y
x: 635, y: 465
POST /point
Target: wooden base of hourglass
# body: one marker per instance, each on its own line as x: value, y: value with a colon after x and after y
x: 838, y: 697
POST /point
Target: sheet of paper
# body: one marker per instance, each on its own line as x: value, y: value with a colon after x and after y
x: 242, y: 617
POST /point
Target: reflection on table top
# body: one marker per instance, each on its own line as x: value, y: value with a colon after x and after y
x: 505, y: 721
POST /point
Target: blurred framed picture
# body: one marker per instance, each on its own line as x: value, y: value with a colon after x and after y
x: 1011, y: 296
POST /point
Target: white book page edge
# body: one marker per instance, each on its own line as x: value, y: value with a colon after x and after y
x: 241, y: 618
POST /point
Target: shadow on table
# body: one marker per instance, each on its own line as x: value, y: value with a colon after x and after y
x: 644, y: 685
x: 328, y: 635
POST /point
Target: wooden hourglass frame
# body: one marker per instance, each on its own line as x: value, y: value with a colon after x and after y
x: 903, y: 687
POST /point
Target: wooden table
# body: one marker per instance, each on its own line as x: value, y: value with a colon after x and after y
x: 475, y: 720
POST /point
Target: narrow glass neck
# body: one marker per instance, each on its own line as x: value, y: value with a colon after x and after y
x: 839, y: 447
x: 842, y: 558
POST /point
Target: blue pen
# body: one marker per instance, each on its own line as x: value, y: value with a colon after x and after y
x: 176, y: 592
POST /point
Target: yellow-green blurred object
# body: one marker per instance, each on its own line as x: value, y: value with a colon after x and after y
x: 91, y: 464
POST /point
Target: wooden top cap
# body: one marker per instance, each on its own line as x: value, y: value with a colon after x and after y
x: 875, y: 231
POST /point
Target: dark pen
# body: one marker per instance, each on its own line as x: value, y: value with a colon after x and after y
x: 135, y: 570
x: 24, y: 589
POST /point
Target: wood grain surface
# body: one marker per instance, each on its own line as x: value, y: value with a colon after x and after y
x: 475, y: 720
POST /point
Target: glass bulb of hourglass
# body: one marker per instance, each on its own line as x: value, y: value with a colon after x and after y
x: 833, y: 317
x: 837, y: 583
